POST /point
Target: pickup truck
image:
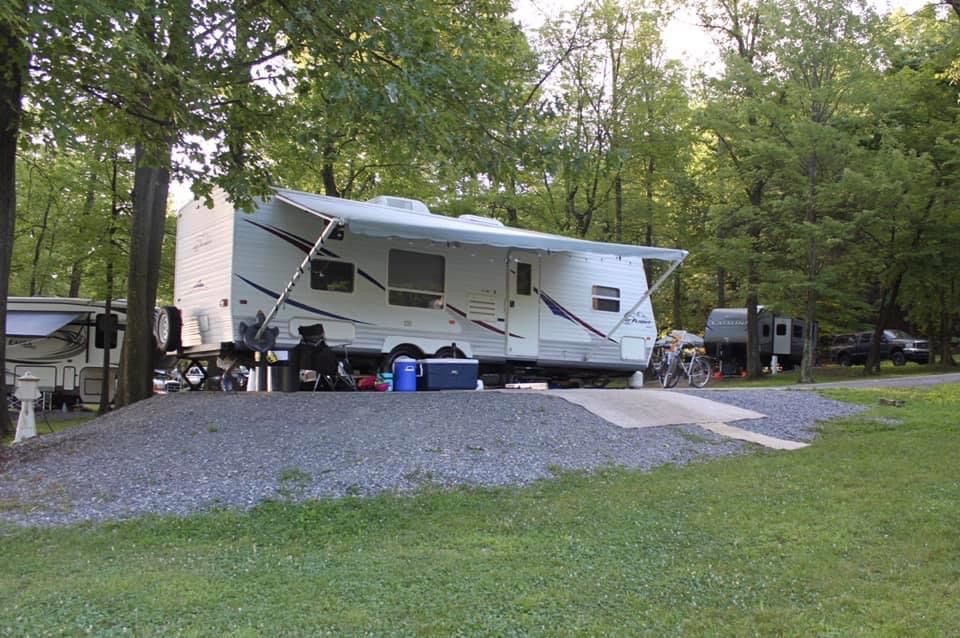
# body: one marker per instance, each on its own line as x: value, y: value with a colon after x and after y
x: 895, y: 345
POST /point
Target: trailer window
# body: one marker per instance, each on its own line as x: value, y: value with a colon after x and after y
x: 524, y: 278
x: 798, y: 332
x: 781, y: 330
x: 415, y: 279
x: 766, y: 330
x: 336, y: 276
x: 606, y: 299
x: 105, y: 325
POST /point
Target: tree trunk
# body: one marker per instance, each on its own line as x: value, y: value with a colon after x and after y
x: 108, y: 294
x: 946, y: 329
x: 38, y: 246
x: 618, y: 208
x: 955, y: 4
x: 648, y: 205
x: 677, y: 302
x: 76, y: 270
x: 13, y: 65
x: 808, y: 358
x: 76, y: 278
x: 151, y: 183
x: 754, y: 368
x: 721, y: 288
x: 888, y: 302
x: 513, y: 218
x: 813, y: 262
x: 328, y: 171
x: 754, y: 365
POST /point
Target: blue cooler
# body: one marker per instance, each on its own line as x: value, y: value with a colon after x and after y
x: 447, y: 374
x: 404, y: 375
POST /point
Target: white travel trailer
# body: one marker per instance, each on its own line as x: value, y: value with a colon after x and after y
x: 62, y: 342
x: 390, y: 278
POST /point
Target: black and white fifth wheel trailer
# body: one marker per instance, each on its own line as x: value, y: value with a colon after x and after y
x: 390, y: 278
x: 63, y: 341
x: 725, y: 338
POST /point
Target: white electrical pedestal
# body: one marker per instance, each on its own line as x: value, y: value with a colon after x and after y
x: 28, y: 391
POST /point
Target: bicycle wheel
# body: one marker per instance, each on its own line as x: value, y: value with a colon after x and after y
x: 699, y: 372
x: 671, y: 372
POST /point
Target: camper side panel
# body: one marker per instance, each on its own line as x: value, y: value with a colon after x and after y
x: 583, y: 296
x: 469, y: 310
x: 204, y: 264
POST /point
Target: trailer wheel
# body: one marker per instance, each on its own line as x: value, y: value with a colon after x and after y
x: 450, y: 353
x: 898, y: 358
x: 844, y: 360
x: 166, y: 328
x: 600, y: 382
x: 406, y: 350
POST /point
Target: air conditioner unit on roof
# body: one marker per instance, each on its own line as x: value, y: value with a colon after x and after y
x: 409, y: 205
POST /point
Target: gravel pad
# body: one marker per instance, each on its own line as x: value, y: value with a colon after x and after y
x: 790, y: 415
x: 187, y: 452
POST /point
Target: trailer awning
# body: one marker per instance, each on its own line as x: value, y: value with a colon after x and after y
x: 376, y: 220
x: 39, y: 323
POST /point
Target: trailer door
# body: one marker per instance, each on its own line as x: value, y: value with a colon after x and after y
x: 782, y: 331
x: 523, y: 305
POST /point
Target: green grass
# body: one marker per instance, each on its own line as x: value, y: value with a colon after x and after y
x: 830, y: 373
x: 858, y: 534
x: 44, y: 426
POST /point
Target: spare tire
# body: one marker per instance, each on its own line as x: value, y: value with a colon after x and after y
x: 166, y: 328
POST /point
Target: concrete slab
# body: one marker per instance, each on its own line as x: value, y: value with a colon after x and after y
x: 656, y: 408
x: 753, y: 437
x: 653, y: 408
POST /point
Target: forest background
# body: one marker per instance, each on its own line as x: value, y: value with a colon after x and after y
x: 810, y: 165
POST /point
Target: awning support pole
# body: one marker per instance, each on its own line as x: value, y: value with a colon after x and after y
x: 652, y: 289
x: 332, y: 224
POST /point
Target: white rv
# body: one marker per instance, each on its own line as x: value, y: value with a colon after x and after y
x: 62, y: 342
x: 390, y: 278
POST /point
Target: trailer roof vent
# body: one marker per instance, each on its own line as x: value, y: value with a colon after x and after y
x: 409, y: 205
x: 480, y: 219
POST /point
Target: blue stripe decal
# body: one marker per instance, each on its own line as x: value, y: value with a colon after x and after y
x: 282, y: 234
x: 482, y: 324
x: 297, y: 304
x: 363, y: 273
x: 305, y: 246
x: 300, y: 242
x: 560, y: 311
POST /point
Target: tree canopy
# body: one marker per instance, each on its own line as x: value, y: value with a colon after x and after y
x: 811, y: 171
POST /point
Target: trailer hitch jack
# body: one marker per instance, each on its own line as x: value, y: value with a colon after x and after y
x: 256, y: 337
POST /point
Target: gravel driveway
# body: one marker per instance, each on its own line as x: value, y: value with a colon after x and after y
x: 186, y: 452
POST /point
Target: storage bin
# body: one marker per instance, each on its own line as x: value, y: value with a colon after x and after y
x: 447, y: 374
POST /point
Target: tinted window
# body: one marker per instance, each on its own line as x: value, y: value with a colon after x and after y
x: 336, y: 276
x: 866, y: 337
x: 897, y: 334
x: 606, y: 298
x: 105, y: 325
x: 415, y: 279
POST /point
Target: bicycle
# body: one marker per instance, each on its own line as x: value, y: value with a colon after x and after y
x: 672, y: 366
